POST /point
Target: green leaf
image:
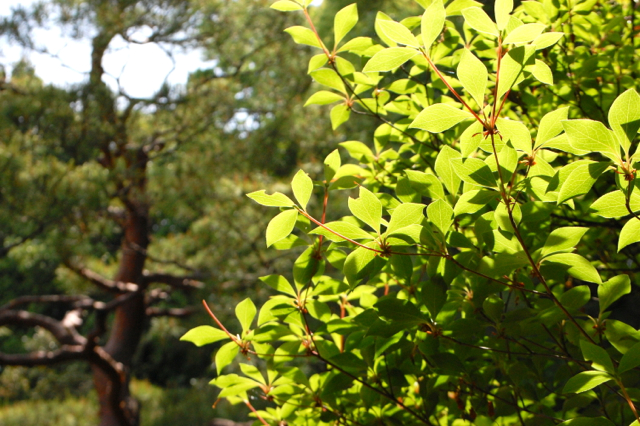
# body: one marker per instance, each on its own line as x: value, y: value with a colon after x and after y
x: 472, y: 201
x: 281, y: 226
x: 503, y: 219
x: 286, y: 6
x: 329, y: 78
x: 579, y: 267
x: 440, y: 214
x: 323, y: 97
x: 511, y: 68
x: 624, y: 117
x: 303, y: 35
x: 432, y: 23
x: 630, y: 233
x: 359, y: 151
x: 404, y: 215
x: 434, y: 294
x: 398, y: 33
x: 580, y: 180
x: 473, y: 75
x: 587, y: 421
x: 515, y: 132
x: 276, y: 199
x: 426, y: 184
x: 246, y: 312
x: 478, y: 19
x: 302, y: 187
x: 551, y: 125
x: 474, y: 171
x: 542, y: 72
x: 546, y: 39
x: 622, y: 336
x: 524, y: 33
x: 389, y: 59
x: 317, y: 61
x: 439, y: 117
x: 562, y: 239
x: 225, y: 355
x: 445, y: 170
x: 599, y: 358
x: 367, y: 208
x: 339, y: 115
x: 203, y: 335
x: 355, y: 266
x: 503, y: 10
x: 592, y: 136
x: 305, y: 267
x: 279, y: 283
x: 358, y: 45
x: 344, y: 22
x: 332, y: 164
x: 457, y: 6
x: 612, y: 290
x: 471, y: 139
x: 585, y: 381
x: 631, y: 359
x: 345, y: 229
x: 613, y: 204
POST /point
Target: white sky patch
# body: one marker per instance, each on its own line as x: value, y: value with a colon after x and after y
x: 139, y: 69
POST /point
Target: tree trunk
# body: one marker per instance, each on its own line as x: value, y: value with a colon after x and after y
x: 117, y: 406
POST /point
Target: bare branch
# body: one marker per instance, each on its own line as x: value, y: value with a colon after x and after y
x: 63, y: 354
x: 107, y: 284
x: 23, y: 300
x: 169, y: 312
x: 175, y: 281
x: 64, y: 335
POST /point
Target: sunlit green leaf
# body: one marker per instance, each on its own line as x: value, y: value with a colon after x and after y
x: 473, y: 75
x: 303, y: 35
x: 398, y: 33
x: 503, y: 9
x: 367, y: 208
x: 344, y: 21
x: 246, y: 312
x: 432, y: 23
x: 630, y: 233
x: 274, y: 200
x: 203, y: 335
x: 612, y: 290
x: 439, y: 117
x: 389, y: 59
x: 524, y: 33
x: 579, y: 267
x: 302, y: 187
x: 585, y: 381
x: 285, y: 6
x: 225, y: 355
x: 281, y: 226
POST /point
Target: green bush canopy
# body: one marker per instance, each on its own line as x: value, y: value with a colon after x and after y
x: 492, y: 227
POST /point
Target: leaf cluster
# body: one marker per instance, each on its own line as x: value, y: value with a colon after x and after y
x: 493, y: 224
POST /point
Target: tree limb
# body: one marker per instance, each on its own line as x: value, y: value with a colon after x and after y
x: 169, y: 312
x: 107, y: 284
x: 175, y: 281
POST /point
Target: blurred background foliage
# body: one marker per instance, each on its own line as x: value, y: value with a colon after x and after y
x: 229, y: 130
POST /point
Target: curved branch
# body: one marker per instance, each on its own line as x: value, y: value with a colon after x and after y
x: 105, y: 283
x: 64, y: 335
x: 175, y: 281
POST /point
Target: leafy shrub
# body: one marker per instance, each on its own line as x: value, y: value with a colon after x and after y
x: 495, y: 224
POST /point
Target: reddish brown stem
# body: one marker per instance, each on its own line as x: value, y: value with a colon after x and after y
x: 231, y: 336
x: 452, y: 90
x: 263, y: 421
